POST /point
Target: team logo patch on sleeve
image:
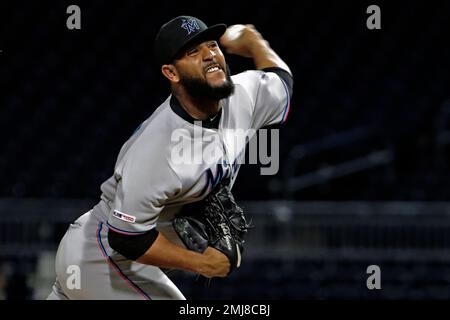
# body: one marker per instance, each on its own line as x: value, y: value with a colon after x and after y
x: 124, y: 217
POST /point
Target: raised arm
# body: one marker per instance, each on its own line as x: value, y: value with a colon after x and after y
x: 246, y: 41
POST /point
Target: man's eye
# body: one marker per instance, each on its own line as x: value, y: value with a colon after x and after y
x: 213, y: 45
x: 192, y: 51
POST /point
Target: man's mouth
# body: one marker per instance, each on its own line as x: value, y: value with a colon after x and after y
x: 213, y: 68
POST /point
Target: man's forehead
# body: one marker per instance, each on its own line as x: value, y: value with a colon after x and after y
x: 191, y: 46
x: 199, y: 43
x: 182, y: 53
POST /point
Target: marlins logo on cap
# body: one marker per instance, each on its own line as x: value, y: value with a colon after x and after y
x: 178, y: 33
x: 190, y: 25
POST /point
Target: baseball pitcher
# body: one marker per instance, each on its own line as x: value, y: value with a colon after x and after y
x: 163, y: 209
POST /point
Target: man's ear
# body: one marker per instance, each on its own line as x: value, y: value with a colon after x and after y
x: 170, y: 72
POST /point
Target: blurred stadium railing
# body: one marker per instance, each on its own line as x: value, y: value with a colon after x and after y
x: 297, y: 250
x: 334, y: 156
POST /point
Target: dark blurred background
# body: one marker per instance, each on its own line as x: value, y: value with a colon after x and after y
x: 364, y: 154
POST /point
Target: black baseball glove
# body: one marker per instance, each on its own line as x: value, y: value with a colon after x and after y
x: 215, y: 221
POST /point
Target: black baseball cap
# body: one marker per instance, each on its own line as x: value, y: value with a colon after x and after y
x: 181, y: 31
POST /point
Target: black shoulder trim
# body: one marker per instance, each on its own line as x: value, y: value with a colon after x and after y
x: 284, y: 75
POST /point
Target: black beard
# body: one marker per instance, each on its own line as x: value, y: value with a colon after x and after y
x: 200, y: 89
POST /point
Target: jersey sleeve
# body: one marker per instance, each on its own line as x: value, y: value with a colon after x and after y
x: 144, y: 184
x: 269, y: 96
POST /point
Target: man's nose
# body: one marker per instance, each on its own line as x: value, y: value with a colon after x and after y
x: 208, y: 54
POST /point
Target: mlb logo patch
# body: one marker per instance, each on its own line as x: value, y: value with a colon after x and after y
x: 124, y: 217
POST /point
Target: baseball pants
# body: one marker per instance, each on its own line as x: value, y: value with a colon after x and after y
x: 87, y: 268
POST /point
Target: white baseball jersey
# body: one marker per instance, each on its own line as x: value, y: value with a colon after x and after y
x: 149, y: 186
